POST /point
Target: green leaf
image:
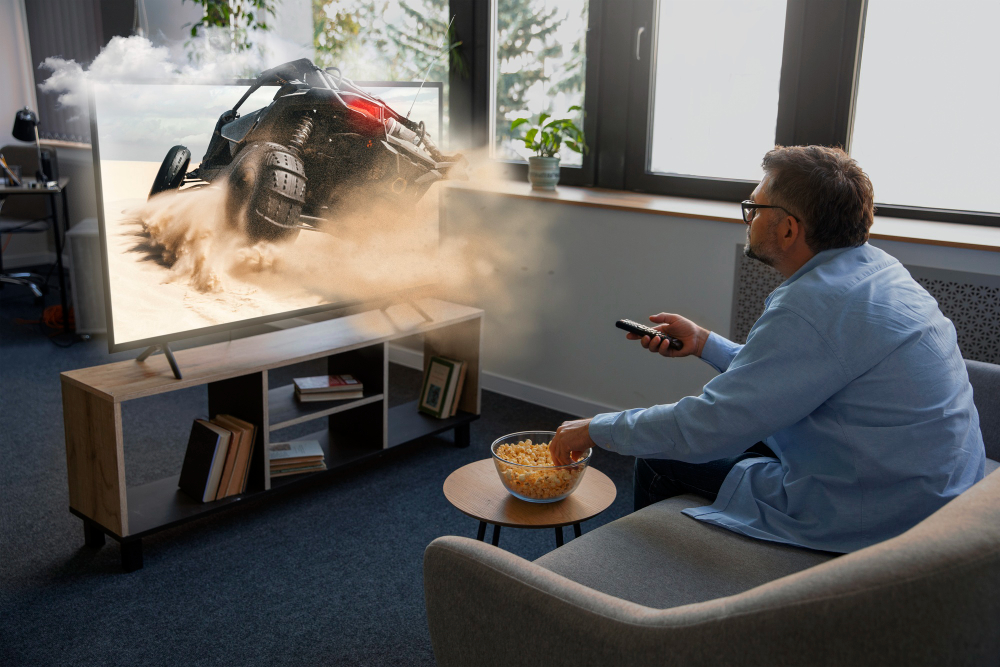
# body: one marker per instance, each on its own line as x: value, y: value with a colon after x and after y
x: 542, y: 118
x: 518, y: 122
x: 572, y: 145
x: 529, y: 138
x: 576, y: 107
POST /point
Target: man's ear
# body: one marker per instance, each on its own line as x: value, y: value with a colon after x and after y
x: 789, y: 230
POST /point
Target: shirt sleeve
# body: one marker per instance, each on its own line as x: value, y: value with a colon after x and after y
x: 719, y: 351
x: 785, y: 371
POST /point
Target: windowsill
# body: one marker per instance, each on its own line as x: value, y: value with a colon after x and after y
x: 976, y: 237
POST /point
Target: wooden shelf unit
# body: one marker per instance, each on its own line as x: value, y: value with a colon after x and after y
x: 236, y: 374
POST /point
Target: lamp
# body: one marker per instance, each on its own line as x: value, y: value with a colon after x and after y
x: 26, y: 129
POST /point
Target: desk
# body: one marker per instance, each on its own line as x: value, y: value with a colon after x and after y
x: 60, y: 191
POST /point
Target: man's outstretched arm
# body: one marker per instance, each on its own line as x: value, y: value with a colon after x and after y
x: 783, y: 374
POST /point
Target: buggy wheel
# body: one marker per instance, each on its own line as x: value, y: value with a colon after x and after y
x: 267, y: 189
x: 172, y: 170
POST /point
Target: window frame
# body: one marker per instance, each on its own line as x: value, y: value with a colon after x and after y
x: 476, y: 19
x: 821, y: 59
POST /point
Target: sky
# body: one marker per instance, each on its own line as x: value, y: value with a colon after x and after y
x: 141, y: 122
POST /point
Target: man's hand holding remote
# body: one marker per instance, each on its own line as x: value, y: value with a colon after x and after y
x: 681, y: 328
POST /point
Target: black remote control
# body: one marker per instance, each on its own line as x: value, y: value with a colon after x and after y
x: 643, y: 330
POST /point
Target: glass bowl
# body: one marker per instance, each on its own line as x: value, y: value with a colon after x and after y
x: 537, y: 484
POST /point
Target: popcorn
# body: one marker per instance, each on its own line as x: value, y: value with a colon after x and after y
x: 533, y: 483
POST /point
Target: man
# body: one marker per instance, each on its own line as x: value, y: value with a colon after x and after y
x: 851, y: 383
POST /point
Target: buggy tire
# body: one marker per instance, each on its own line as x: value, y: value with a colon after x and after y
x: 172, y: 170
x: 267, y: 191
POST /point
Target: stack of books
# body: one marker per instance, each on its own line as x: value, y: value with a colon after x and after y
x: 442, y: 388
x: 292, y: 458
x: 217, y: 459
x: 328, y: 388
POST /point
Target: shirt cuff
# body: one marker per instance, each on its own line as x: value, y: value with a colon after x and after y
x: 600, y: 430
x: 719, y: 352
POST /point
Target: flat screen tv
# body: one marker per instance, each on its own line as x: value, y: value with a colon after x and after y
x: 227, y: 205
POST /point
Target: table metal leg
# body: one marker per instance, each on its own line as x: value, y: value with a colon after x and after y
x: 481, y: 536
x: 59, y: 262
x: 577, y: 531
x: 462, y: 436
x: 559, y: 537
x: 496, y: 535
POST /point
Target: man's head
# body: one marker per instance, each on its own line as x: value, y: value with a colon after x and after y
x: 821, y: 199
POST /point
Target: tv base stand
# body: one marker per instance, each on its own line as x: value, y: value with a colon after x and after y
x: 236, y: 376
x: 167, y: 353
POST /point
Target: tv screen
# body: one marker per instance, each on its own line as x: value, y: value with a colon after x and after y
x: 318, y: 193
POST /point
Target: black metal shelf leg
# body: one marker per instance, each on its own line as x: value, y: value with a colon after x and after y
x: 131, y: 555
x: 496, y: 535
x: 559, y: 537
x: 93, y: 535
x: 462, y: 436
x: 577, y: 531
x: 481, y: 535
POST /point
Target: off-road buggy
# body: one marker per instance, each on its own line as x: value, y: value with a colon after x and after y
x: 322, y: 143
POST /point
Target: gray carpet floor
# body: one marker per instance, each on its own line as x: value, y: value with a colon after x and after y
x: 327, y: 574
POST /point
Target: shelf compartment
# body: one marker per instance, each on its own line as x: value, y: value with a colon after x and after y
x: 161, y: 504
x: 337, y: 454
x: 284, y: 410
x: 406, y: 423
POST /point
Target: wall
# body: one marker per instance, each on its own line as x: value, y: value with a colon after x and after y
x: 564, y: 274
x: 15, y: 77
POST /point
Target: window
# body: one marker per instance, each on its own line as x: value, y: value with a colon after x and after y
x: 925, y: 123
x: 684, y: 97
x: 540, y: 50
x: 716, y: 67
x: 386, y: 40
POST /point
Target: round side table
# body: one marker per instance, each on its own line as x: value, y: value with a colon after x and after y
x: 476, y: 490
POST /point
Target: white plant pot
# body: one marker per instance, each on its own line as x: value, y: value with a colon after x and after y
x: 543, y: 172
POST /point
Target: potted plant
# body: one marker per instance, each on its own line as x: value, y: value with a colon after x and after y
x: 545, y: 137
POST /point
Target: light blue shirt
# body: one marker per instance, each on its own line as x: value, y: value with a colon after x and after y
x: 853, y: 378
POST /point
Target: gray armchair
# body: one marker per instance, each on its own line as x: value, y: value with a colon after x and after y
x: 656, y: 588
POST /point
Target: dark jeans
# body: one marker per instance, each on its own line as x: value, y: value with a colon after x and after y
x: 659, y: 479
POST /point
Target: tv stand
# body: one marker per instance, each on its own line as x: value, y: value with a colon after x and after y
x: 236, y: 376
x: 167, y: 353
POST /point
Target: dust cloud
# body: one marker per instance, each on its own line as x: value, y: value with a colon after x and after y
x: 370, y: 250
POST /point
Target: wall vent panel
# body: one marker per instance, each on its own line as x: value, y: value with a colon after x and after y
x: 970, y: 300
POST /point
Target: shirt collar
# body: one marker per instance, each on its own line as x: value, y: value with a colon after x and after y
x: 819, y: 258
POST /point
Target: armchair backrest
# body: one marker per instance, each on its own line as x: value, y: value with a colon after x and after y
x: 985, y: 379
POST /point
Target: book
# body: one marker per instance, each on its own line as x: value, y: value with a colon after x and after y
x: 458, y: 389
x: 295, y: 471
x: 329, y: 396
x: 440, y: 382
x: 248, y: 432
x: 204, y: 460
x: 289, y: 458
x: 327, y: 384
x: 227, y: 468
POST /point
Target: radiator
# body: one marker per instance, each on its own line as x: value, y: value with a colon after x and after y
x: 970, y: 300
x: 86, y: 277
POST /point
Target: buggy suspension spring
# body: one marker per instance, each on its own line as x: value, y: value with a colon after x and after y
x: 301, y: 134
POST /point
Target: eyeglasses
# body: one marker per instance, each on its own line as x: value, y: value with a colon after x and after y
x: 750, y: 208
